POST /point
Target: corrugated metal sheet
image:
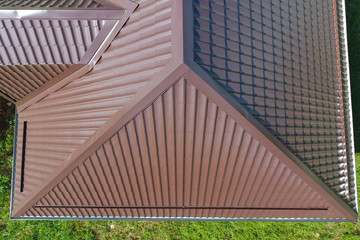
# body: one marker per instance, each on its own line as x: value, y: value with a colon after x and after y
x: 24, y: 42
x: 183, y: 156
x: 61, y: 122
x: 16, y: 81
x: 32, y: 52
x: 278, y: 59
x: 49, y: 4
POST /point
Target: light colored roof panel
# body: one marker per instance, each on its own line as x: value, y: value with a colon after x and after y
x: 285, y: 73
x: 85, y: 104
x: 167, y: 161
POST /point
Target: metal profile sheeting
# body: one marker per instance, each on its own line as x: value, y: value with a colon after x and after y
x: 39, y: 49
x: 61, y: 122
x: 19, y: 80
x: 49, y: 4
x: 46, y: 38
x: 279, y: 60
x: 25, y: 42
x: 198, y: 110
x: 167, y: 162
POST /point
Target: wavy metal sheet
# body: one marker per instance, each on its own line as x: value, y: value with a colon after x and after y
x: 32, y: 52
x: 16, y: 81
x: 61, y: 122
x: 49, y: 4
x: 279, y: 60
x: 184, y: 157
x: 24, y: 42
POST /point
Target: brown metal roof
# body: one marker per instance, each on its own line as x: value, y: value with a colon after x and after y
x: 49, y: 4
x: 183, y: 156
x: 19, y: 80
x: 158, y: 128
x: 287, y: 74
x: 48, y: 38
x: 62, y: 121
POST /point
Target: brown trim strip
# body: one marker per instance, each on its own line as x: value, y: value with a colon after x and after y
x: 185, y: 207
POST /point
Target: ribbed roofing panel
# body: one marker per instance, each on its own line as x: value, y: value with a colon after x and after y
x: 61, y: 122
x: 49, y: 4
x: 184, y: 157
x: 24, y: 42
x: 279, y: 60
x: 16, y: 81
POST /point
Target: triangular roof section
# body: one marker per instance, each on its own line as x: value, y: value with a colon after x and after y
x: 185, y: 121
x: 170, y: 157
x: 62, y: 38
x: 287, y: 75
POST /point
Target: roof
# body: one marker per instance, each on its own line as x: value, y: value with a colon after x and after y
x: 196, y: 110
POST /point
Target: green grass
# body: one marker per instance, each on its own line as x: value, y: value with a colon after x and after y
x: 34, y: 229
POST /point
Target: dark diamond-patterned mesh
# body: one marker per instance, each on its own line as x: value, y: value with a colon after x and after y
x: 279, y: 59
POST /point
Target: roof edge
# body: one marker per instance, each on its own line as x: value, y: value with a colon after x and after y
x: 345, y: 65
x: 183, y: 219
x: 14, y: 161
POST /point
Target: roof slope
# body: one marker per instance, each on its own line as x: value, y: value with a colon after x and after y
x: 160, y: 130
x: 285, y: 72
x: 48, y: 34
x: 61, y: 122
x: 168, y: 159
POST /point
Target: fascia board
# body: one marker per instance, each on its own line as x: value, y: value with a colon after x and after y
x: 14, y: 161
x: 74, y: 71
x: 182, y: 219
